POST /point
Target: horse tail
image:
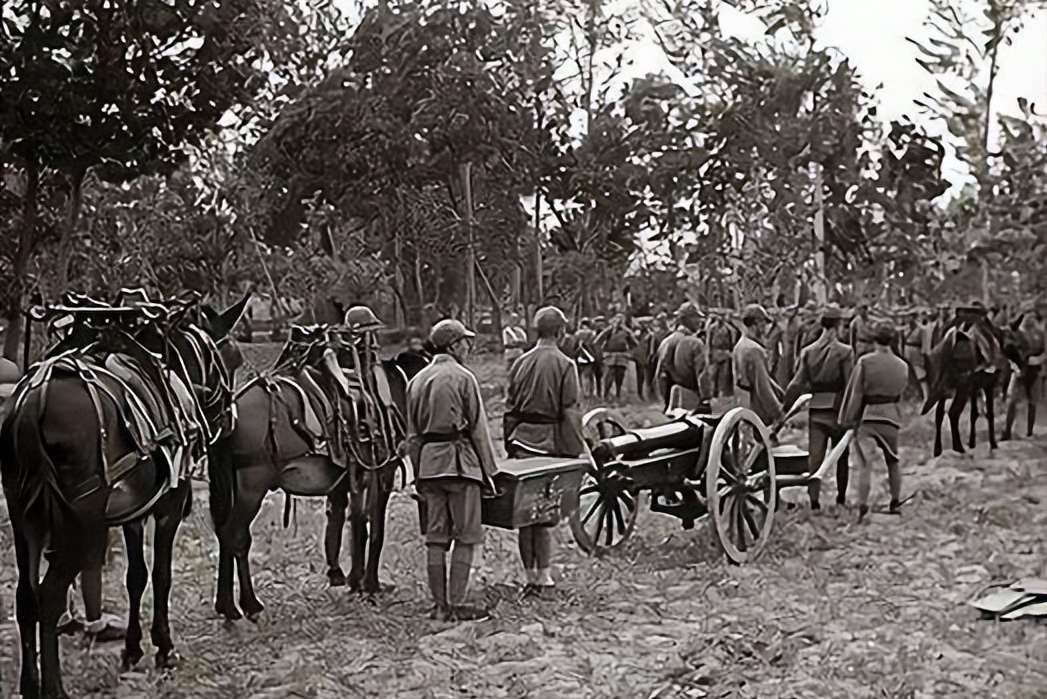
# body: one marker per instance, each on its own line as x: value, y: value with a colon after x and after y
x: 222, y: 484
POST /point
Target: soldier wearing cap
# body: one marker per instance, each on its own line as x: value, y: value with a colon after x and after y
x: 824, y: 368
x: 514, y: 339
x: 588, y: 359
x: 870, y: 404
x: 754, y: 386
x: 542, y: 417
x: 450, y: 447
x: 721, y: 336
x: 616, y: 343
x: 676, y: 367
x: 860, y: 334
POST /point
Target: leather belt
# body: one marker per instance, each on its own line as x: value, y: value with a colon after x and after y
x: 443, y: 437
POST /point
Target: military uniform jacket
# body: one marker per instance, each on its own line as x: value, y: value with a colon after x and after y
x: 446, y: 423
x: 824, y: 368
x: 687, y: 363
x: 753, y: 384
x: 543, y: 387
x: 859, y: 336
x: 667, y: 349
x: 876, y: 386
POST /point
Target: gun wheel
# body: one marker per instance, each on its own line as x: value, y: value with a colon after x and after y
x: 740, y: 485
x: 607, y: 499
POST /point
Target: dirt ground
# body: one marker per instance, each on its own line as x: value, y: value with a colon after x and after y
x: 830, y: 609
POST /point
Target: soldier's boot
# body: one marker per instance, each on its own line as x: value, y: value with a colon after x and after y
x: 1008, y: 422
x: 1030, y: 420
x: 863, y: 510
x: 895, y: 508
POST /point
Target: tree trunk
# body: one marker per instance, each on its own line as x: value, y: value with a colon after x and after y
x: 14, y: 304
x: 65, y: 250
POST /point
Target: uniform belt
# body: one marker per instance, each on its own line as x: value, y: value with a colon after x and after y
x: 881, y: 399
x: 443, y: 437
x: 533, y: 418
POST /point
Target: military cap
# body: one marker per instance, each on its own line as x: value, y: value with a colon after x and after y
x: 548, y: 320
x: 447, y: 332
x: 832, y: 312
x: 755, y: 311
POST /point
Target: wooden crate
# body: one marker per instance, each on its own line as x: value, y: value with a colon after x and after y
x: 535, y: 490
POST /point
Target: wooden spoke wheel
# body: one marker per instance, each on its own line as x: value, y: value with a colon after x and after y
x: 740, y: 484
x: 607, y: 499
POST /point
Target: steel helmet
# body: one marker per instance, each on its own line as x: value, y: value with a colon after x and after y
x: 361, y: 319
x: 549, y: 320
x: 447, y: 332
x: 755, y: 311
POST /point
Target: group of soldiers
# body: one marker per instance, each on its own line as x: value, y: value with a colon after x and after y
x: 451, y: 448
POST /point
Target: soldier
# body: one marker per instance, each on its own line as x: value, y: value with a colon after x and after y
x: 870, y: 404
x: 514, y: 339
x: 754, y: 386
x: 824, y: 368
x: 616, y: 343
x: 1025, y: 379
x: 860, y: 331
x: 640, y: 355
x: 785, y: 345
x: 542, y: 417
x: 721, y: 336
x: 588, y: 362
x: 688, y: 320
x: 450, y: 448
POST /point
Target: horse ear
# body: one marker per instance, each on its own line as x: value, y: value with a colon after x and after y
x: 222, y: 323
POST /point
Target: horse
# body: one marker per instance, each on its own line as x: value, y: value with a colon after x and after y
x: 92, y: 439
x: 273, y: 448
x: 965, y: 363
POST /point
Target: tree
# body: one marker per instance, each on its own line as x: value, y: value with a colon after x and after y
x: 117, y: 90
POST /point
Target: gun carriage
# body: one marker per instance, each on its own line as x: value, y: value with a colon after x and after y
x: 726, y: 468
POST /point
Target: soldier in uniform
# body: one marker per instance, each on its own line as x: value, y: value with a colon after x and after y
x: 514, y: 339
x: 754, y: 386
x: 587, y: 359
x: 824, y: 368
x: 721, y: 336
x: 688, y: 320
x: 543, y: 417
x: 1025, y: 379
x: 451, y: 450
x: 870, y: 404
x: 860, y: 331
x: 783, y: 344
x: 616, y: 343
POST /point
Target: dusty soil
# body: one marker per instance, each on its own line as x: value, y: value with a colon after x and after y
x: 831, y: 609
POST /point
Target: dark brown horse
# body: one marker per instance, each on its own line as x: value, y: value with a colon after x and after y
x: 274, y: 448
x: 69, y: 430
x: 964, y: 364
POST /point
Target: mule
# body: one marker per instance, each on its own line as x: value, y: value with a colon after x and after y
x: 965, y: 363
x: 66, y: 432
x: 271, y: 449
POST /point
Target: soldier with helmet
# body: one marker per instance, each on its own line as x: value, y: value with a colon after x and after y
x: 450, y: 447
x: 543, y: 417
x: 671, y: 370
x: 870, y: 404
x: 824, y: 369
x: 754, y: 386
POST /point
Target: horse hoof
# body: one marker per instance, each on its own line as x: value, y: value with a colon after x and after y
x: 128, y: 659
x: 229, y: 611
x: 167, y: 661
x: 336, y: 578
